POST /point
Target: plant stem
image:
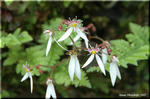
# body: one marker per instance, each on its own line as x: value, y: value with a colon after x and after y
x: 95, y: 37
x: 73, y: 42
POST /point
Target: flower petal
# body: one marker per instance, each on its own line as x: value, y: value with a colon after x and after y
x: 60, y: 45
x: 104, y: 55
x: 31, y: 82
x: 100, y: 64
x: 113, y: 73
x: 49, y: 45
x: 118, y: 72
x: 75, y: 39
x: 86, y: 43
x: 48, y: 92
x: 52, y: 90
x: 88, y: 61
x: 25, y: 77
x: 83, y: 36
x: 72, y: 67
x: 77, y: 68
x: 68, y: 32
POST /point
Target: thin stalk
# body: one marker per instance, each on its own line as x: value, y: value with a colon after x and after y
x: 98, y: 38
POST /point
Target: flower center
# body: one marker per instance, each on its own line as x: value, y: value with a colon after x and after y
x: 27, y: 70
x: 74, y: 25
x: 93, y: 52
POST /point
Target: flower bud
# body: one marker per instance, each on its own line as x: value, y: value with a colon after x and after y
x: 41, y: 71
x: 38, y: 66
x: 59, y: 27
x: 109, y: 51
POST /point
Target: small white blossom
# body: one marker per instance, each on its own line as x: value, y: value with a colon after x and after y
x: 77, y: 37
x: 28, y: 74
x: 74, y: 67
x: 114, y: 70
x: 94, y: 52
x: 50, y: 91
x: 74, y: 25
x: 50, y: 33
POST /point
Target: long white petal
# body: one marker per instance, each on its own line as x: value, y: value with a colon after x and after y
x: 75, y: 39
x: 25, y: 77
x: 118, y: 72
x: 60, y: 45
x: 48, y: 92
x: 68, y: 32
x: 104, y: 55
x: 100, y: 64
x: 72, y: 67
x: 31, y: 82
x: 52, y: 90
x: 88, y: 61
x: 49, y: 45
x: 86, y: 43
x: 83, y: 36
x: 113, y: 73
x: 77, y: 69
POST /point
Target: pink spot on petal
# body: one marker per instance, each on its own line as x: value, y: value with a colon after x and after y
x: 90, y: 50
x: 97, y: 49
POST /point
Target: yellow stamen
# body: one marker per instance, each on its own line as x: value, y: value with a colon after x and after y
x: 93, y: 52
x: 27, y: 70
x: 74, y: 25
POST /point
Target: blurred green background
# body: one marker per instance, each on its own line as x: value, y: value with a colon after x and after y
x: 111, y: 20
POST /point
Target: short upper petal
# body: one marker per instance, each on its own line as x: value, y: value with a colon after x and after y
x: 100, y: 64
x: 88, y: 61
x: 68, y: 32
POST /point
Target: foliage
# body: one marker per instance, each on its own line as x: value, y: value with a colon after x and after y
x: 133, y: 50
x: 22, y: 40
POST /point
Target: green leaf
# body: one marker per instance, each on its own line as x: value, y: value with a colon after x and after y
x: 136, y: 48
x: 24, y: 37
x: 61, y: 76
x: 11, y: 40
x: 17, y: 32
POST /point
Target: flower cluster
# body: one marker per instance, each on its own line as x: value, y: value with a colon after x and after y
x: 101, y: 52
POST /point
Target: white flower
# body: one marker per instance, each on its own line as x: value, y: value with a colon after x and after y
x: 114, y: 70
x: 28, y: 75
x: 50, y: 91
x: 77, y: 37
x: 74, y: 25
x: 50, y: 33
x: 104, y: 55
x: 94, y: 52
x: 74, y: 67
